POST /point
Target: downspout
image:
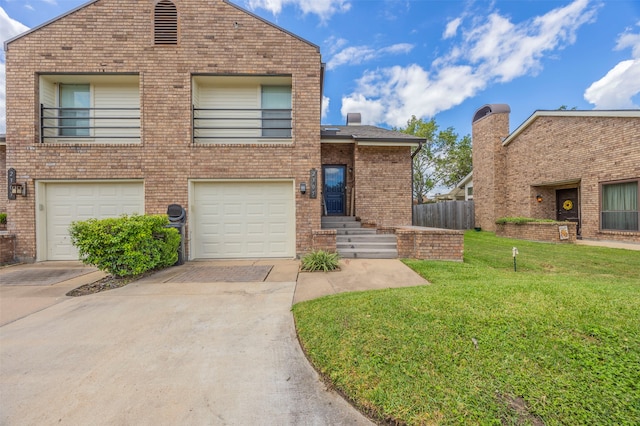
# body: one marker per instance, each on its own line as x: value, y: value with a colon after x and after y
x: 412, y: 183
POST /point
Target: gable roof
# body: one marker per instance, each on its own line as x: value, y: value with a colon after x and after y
x: 626, y: 113
x: 368, y: 135
x: 90, y: 2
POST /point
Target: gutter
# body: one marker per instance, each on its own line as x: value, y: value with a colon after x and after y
x: 412, y: 183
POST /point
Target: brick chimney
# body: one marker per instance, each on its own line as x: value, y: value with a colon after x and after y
x: 490, y: 127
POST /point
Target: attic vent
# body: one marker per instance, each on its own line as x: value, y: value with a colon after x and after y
x: 166, y: 23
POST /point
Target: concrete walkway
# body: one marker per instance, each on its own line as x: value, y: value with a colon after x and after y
x: 161, y: 351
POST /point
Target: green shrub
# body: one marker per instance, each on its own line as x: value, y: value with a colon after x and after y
x: 520, y: 220
x: 320, y: 260
x: 3, y: 218
x: 128, y: 245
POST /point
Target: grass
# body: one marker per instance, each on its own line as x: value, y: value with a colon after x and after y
x: 557, y: 342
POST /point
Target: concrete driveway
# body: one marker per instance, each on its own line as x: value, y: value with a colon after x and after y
x: 173, y: 348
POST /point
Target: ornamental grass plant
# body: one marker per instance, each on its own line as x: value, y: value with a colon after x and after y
x: 320, y: 260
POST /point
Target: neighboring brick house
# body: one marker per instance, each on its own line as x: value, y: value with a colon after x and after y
x: 3, y: 171
x: 124, y: 106
x: 581, y: 166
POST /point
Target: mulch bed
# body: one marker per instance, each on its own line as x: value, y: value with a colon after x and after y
x: 107, y: 283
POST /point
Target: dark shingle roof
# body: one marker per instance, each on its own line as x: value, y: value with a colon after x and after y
x: 367, y: 133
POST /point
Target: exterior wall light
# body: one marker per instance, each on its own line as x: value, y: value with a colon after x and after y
x: 303, y: 188
x: 539, y: 198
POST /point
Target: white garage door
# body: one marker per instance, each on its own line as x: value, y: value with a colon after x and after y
x: 242, y: 220
x: 68, y: 202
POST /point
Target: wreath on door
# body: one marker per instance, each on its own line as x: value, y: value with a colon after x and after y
x: 567, y: 205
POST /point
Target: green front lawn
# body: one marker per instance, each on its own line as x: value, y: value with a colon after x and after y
x: 557, y: 342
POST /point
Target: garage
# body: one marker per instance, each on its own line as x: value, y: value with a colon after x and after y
x: 242, y: 219
x: 61, y: 203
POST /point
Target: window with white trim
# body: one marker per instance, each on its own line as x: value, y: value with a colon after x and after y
x: 620, y: 206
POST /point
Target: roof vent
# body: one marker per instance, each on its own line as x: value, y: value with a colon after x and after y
x: 166, y: 23
x: 354, y: 119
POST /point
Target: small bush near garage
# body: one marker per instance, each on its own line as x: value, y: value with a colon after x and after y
x: 320, y: 260
x: 128, y: 245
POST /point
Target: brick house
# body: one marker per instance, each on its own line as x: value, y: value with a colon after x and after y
x: 122, y: 106
x: 580, y: 166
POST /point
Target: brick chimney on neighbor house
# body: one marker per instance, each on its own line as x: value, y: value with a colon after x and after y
x: 490, y: 127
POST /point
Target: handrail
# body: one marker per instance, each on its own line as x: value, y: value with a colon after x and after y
x: 241, y: 123
x: 54, y: 123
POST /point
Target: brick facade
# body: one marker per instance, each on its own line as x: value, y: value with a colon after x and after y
x: 3, y: 178
x: 7, y: 248
x: 215, y: 38
x: 416, y: 242
x: 324, y: 239
x: 553, y: 150
x: 538, y: 231
x: 383, y: 185
x: 116, y: 36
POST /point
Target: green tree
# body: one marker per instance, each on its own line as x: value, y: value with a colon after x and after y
x: 455, y: 159
x: 444, y: 159
x: 424, y: 163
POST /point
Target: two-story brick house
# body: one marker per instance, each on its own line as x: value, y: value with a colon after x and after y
x: 580, y: 166
x: 127, y: 106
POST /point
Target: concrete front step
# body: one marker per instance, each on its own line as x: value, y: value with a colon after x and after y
x: 339, y: 218
x: 337, y: 222
x: 355, y: 231
x: 369, y: 245
x: 352, y: 241
x: 365, y: 238
x: 368, y: 253
x: 340, y: 225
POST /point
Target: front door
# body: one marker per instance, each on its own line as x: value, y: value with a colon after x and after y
x: 334, y: 189
x: 567, y: 206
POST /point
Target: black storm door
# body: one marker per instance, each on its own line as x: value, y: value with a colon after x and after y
x: 334, y: 189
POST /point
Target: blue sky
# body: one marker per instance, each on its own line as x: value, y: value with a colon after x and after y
x: 390, y: 59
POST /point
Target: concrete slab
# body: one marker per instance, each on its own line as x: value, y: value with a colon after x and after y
x: 18, y: 300
x: 610, y: 244
x: 157, y: 352
x: 356, y: 275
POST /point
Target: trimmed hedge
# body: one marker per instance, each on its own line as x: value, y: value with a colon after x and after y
x: 521, y: 220
x: 128, y: 245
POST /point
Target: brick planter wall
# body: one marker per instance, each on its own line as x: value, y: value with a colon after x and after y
x: 417, y: 242
x: 324, y: 239
x: 537, y: 231
x: 7, y: 248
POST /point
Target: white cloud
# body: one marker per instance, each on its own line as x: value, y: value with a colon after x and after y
x: 618, y: 87
x: 334, y: 44
x: 8, y: 29
x: 323, y: 8
x: 493, y: 50
x: 325, y: 106
x: 452, y: 28
x: 359, y: 54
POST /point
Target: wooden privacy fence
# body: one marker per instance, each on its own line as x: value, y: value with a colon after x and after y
x: 446, y: 215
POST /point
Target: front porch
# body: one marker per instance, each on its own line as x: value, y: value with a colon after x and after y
x: 350, y: 238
